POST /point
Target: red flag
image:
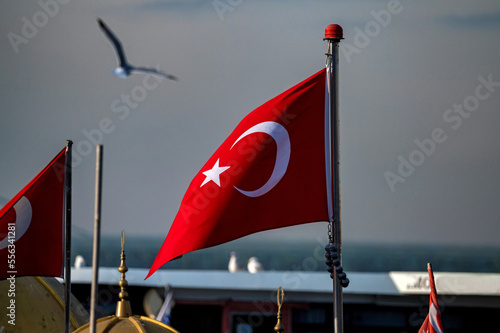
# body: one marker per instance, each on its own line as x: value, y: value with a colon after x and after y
x: 31, y: 226
x: 269, y: 173
x: 432, y: 323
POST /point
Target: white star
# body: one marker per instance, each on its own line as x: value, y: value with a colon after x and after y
x: 214, y: 174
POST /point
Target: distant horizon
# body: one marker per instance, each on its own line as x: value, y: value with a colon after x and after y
x: 314, y: 239
x: 284, y: 254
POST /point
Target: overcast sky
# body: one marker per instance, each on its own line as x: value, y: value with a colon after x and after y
x: 419, y: 104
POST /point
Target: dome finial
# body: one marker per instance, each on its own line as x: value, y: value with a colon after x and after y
x: 123, y: 308
x: 279, y: 326
x: 123, y: 321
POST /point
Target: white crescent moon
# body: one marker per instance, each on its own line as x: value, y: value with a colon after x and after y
x: 23, y: 220
x: 280, y: 136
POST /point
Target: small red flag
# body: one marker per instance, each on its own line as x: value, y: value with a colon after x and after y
x: 31, y: 226
x: 432, y: 323
x: 269, y: 173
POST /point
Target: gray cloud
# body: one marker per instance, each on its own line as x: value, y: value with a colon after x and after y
x: 483, y: 20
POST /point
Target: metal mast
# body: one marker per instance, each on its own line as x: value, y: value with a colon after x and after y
x: 67, y: 219
x: 333, y: 35
x: 97, y: 237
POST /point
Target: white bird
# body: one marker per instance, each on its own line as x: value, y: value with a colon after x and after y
x: 233, y: 265
x: 254, y: 266
x: 124, y: 68
x: 79, y: 262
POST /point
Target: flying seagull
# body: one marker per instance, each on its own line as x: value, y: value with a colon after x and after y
x: 125, y: 69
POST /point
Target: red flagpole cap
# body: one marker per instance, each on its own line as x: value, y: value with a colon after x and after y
x: 334, y: 31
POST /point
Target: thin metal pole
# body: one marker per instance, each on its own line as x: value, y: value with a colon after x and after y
x: 67, y: 218
x: 97, y: 235
x: 337, y: 234
x: 333, y: 34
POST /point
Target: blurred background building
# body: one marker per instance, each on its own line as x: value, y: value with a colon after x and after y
x: 389, y: 289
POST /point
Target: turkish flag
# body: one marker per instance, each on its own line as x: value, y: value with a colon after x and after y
x: 432, y: 323
x: 31, y: 226
x: 269, y: 173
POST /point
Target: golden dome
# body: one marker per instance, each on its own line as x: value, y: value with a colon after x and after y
x: 39, y: 306
x: 114, y: 324
x: 123, y: 321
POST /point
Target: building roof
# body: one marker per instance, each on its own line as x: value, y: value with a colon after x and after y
x: 298, y: 285
x: 381, y: 274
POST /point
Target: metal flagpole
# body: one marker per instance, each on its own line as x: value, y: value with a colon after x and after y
x: 67, y: 219
x: 97, y: 236
x: 333, y: 34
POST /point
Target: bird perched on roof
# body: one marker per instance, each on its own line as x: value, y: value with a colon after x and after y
x: 80, y: 262
x: 254, y: 266
x: 233, y: 265
x: 124, y: 68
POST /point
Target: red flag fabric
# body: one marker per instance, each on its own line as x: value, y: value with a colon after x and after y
x: 269, y: 173
x: 31, y: 226
x: 432, y: 323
